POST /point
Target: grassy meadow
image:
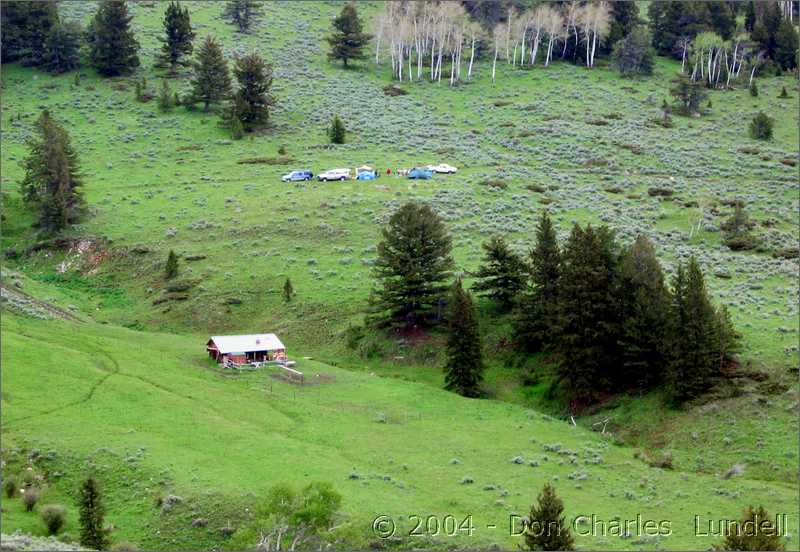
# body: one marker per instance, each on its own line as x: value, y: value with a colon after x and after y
x: 127, y: 391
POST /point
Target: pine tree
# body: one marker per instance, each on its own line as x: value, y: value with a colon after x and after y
x: 165, y: 97
x: 252, y: 101
x: 212, y: 81
x: 61, y: 48
x: 93, y: 534
x: 624, y: 19
x: 645, y: 304
x: 171, y: 268
x: 694, y: 335
x: 754, y: 89
x: 536, y: 313
x: 112, y: 46
x: 688, y: 95
x: 750, y: 16
x: 52, y: 182
x: 755, y: 531
x: 721, y: 18
x: 242, y: 13
x: 412, y: 268
x: 737, y: 230
x: 786, y: 45
x: 727, y: 336
x: 761, y: 127
x: 26, y: 27
x: 179, y: 37
x: 588, y: 317
x: 288, y: 291
x: 501, y: 277
x: 337, y: 132
x: 633, y: 54
x: 784, y: 94
x: 546, y: 528
x: 348, y: 39
x: 464, y: 368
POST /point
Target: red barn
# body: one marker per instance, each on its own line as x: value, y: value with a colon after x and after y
x: 241, y: 349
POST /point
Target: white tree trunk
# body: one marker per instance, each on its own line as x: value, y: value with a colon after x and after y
x: 472, y: 59
x: 494, y: 64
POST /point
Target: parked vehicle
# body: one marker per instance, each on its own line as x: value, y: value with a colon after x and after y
x: 334, y: 174
x: 421, y: 174
x: 442, y: 168
x: 294, y: 176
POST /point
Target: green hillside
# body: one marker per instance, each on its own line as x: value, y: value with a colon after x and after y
x: 154, y: 417
x: 103, y: 362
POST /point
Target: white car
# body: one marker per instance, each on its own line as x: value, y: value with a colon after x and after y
x: 443, y: 168
x: 334, y: 174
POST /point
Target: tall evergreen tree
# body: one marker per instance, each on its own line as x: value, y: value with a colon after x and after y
x: 62, y: 48
x: 766, y: 27
x: 721, y: 18
x: 728, y: 338
x: 348, y: 38
x: 26, y: 26
x: 755, y: 531
x: 536, y: 314
x: 93, y: 534
x: 464, y: 368
x: 252, y: 101
x: 243, y: 13
x: 52, y: 181
x: 412, y: 268
x: 288, y: 290
x: 588, y: 318
x: 171, y: 267
x: 694, y: 335
x: 624, y: 18
x: 633, y: 54
x: 750, y: 16
x: 546, y: 527
x: 645, y: 304
x: 501, y: 277
x: 179, y: 36
x: 112, y: 46
x: 212, y: 81
x: 337, y: 133
x: 688, y: 95
x: 786, y: 45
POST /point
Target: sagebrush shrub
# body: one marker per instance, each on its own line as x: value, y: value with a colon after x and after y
x: 10, y: 486
x: 54, y: 517
x: 30, y: 497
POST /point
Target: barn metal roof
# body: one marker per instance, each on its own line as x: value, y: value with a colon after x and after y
x: 246, y: 343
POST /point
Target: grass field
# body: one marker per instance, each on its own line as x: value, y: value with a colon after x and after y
x: 148, y: 410
x: 151, y: 415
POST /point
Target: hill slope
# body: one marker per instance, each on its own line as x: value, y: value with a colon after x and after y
x: 153, y: 416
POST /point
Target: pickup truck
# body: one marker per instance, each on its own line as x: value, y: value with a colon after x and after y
x: 295, y: 176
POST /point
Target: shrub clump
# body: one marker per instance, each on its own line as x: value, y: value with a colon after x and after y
x: 761, y: 127
x: 10, y: 486
x: 30, y: 496
x: 54, y: 517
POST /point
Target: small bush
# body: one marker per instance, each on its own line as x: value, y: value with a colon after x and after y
x: 754, y: 90
x: 54, y: 517
x: 394, y: 90
x: 659, y: 192
x: 30, y: 497
x: 761, y: 127
x: 494, y: 183
x: 784, y: 94
x: 10, y: 486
